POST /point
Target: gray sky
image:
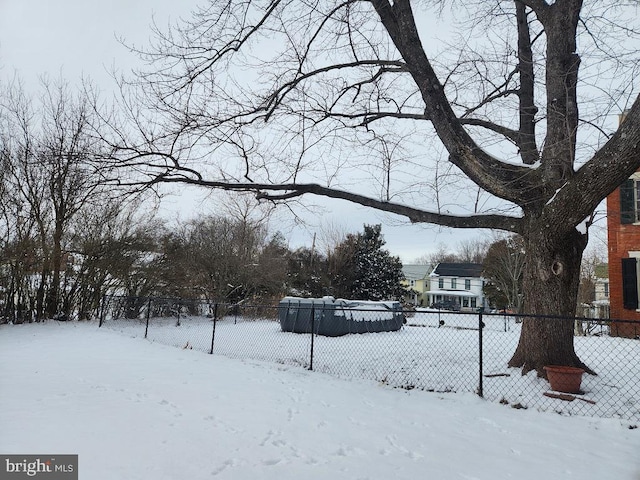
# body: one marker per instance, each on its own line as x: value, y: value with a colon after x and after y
x: 72, y: 38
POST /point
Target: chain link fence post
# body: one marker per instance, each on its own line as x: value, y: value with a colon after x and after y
x: 215, y: 320
x: 480, y: 355
x: 313, y: 328
x: 102, y: 309
x: 146, y: 328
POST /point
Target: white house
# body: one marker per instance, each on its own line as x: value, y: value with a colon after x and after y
x: 457, y: 286
x: 600, y: 306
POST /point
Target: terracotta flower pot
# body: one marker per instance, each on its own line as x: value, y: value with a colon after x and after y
x: 564, y: 379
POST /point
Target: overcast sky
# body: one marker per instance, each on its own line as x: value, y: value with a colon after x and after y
x: 75, y: 38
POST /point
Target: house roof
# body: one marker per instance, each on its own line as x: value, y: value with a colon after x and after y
x: 458, y: 270
x: 602, y: 270
x: 416, y: 272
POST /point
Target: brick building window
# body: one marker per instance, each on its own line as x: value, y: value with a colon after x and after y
x: 630, y: 201
x: 630, y: 283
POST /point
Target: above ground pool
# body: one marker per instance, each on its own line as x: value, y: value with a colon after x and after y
x: 334, y: 318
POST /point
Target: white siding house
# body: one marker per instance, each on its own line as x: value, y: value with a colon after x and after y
x: 457, y: 286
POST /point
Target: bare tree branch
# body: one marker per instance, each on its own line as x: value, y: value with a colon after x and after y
x: 512, y: 224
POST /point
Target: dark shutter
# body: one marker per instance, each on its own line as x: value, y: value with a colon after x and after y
x: 627, y: 208
x: 629, y: 284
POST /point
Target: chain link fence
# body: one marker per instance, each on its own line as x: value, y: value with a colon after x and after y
x: 435, y: 351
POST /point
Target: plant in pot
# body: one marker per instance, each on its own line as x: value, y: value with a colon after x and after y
x: 564, y: 379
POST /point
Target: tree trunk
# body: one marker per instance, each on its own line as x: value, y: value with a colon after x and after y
x: 550, y: 288
x: 53, y: 300
x: 40, y: 294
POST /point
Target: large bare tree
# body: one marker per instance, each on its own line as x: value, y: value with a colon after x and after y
x: 507, y: 126
x: 50, y: 175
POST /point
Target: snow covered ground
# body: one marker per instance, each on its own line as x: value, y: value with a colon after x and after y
x: 132, y: 409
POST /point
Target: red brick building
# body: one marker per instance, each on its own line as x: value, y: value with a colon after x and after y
x: 623, y: 226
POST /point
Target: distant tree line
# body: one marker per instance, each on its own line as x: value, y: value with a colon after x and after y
x: 215, y: 259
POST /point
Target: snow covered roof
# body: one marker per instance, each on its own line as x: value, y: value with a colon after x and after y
x: 458, y: 270
x: 416, y: 272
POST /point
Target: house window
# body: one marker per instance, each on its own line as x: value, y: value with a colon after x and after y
x: 441, y: 283
x: 453, y: 283
x: 606, y: 289
x: 412, y: 283
x: 467, y: 284
x: 474, y: 302
x: 465, y: 302
x: 630, y: 285
x: 630, y: 201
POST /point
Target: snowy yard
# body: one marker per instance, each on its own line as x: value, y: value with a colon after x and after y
x: 132, y: 409
x: 420, y: 356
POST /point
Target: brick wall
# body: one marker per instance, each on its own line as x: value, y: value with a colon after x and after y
x: 621, y: 240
